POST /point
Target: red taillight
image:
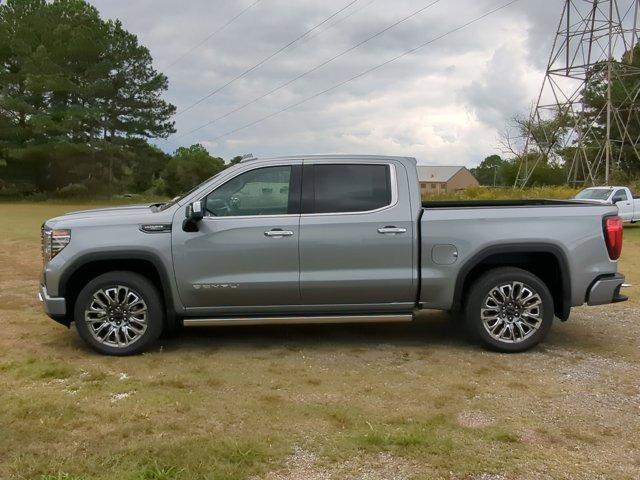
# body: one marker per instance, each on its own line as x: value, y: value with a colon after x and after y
x: 613, y: 236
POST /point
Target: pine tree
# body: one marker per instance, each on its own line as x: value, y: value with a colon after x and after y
x: 79, y: 97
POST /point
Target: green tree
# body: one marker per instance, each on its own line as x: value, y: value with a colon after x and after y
x: 546, y: 172
x: 489, y: 172
x: 188, y: 167
x: 79, y: 97
x: 625, y: 99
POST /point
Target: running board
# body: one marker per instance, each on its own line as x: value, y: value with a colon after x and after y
x: 296, y: 320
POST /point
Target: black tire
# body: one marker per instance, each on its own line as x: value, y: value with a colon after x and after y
x: 478, y: 299
x: 137, y: 285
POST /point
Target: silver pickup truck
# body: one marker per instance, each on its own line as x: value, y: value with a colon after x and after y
x: 319, y: 239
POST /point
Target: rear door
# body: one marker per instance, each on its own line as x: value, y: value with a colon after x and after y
x: 245, y: 253
x: 356, y: 247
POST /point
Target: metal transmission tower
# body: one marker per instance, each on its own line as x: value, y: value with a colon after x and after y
x: 588, y: 109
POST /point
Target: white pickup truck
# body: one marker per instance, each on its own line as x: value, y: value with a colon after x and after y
x: 628, y: 205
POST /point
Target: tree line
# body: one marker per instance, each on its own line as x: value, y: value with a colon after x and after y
x: 80, y: 100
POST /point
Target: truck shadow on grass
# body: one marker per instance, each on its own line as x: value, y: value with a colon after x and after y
x: 432, y: 329
x: 435, y: 328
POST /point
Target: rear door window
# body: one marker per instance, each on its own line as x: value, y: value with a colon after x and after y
x: 344, y: 188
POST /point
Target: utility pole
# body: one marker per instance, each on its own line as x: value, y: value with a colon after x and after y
x: 594, y: 43
x: 609, y: 79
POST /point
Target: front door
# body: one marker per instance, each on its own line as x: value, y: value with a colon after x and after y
x: 624, y: 204
x: 245, y: 252
x: 356, y: 238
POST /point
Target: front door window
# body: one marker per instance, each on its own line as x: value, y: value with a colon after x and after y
x: 263, y: 191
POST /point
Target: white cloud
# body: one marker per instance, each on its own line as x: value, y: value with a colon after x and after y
x: 443, y: 104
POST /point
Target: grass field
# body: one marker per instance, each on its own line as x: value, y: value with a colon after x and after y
x: 313, y: 402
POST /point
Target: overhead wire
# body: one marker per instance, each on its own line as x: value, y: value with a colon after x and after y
x: 264, y: 60
x: 212, y: 34
x: 366, y: 72
x: 337, y: 22
x: 317, y: 67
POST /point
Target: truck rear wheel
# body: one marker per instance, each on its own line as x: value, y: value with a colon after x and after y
x: 119, y: 313
x: 509, y: 309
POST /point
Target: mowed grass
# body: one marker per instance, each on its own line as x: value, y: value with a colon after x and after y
x: 316, y: 402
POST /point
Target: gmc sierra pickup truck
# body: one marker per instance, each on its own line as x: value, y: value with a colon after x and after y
x: 318, y: 239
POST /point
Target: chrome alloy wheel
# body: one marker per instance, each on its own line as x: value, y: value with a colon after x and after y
x: 511, y: 312
x: 116, y: 316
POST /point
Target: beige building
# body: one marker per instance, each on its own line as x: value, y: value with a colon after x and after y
x: 440, y: 179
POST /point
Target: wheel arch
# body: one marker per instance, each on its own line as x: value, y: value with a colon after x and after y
x: 545, y: 260
x: 91, y: 265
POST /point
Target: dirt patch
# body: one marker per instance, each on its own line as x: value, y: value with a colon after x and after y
x: 302, y: 464
x: 475, y: 419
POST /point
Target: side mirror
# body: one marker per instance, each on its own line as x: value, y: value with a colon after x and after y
x: 194, y: 212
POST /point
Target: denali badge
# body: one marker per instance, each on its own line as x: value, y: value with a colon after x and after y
x: 207, y: 286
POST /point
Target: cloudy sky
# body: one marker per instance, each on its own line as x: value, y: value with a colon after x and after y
x: 444, y: 104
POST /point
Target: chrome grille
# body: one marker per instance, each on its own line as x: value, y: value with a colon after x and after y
x: 44, y: 243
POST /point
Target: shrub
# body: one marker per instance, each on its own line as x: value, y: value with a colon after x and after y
x: 188, y: 167
x: 72, y: 190
x: 15, y: 190
x: 507, y: 193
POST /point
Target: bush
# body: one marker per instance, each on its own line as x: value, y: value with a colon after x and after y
x: 72, y: 190
x: 507, y: 193
x: 188, y: 167
x: 15, y: 190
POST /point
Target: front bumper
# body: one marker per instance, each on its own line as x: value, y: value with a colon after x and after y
x: 55, y: 307
x: 606, y: 289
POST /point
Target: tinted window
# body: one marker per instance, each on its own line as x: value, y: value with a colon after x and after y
x: 620, y: 196
x: 351, y: 188
x: 264, y: 191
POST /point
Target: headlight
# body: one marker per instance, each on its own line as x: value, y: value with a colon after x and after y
x: 53, y: 241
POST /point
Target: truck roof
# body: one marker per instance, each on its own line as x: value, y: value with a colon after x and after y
x: 333, y: 156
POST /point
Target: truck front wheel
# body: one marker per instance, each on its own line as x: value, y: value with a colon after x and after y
x: 509, y: 309
x: 119, y: 313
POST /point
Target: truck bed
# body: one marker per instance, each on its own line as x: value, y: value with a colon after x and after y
x: 456, y: 233
x: 541, y: 202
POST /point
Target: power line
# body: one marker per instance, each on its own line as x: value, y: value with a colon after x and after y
x: 317, y: 67
x: 264, y: 60
x: 362, y: 74
x: 213, y: 34
x: 337, y: 22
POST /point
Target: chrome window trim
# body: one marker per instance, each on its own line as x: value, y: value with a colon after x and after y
x: 237, y: 217
x: 241, y: 172
x: 393, y: 181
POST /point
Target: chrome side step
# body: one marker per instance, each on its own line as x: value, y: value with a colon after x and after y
x: 296, y: 320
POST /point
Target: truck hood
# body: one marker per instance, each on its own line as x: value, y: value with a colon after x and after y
x: 599, y: 202
x: 105, y: 213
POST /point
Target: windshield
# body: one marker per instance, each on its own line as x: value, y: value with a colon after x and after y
x: 175, y: 200
x: 594, y: 194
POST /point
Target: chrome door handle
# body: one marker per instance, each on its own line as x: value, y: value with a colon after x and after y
x: 277, y: 232
x: 390, y: 230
